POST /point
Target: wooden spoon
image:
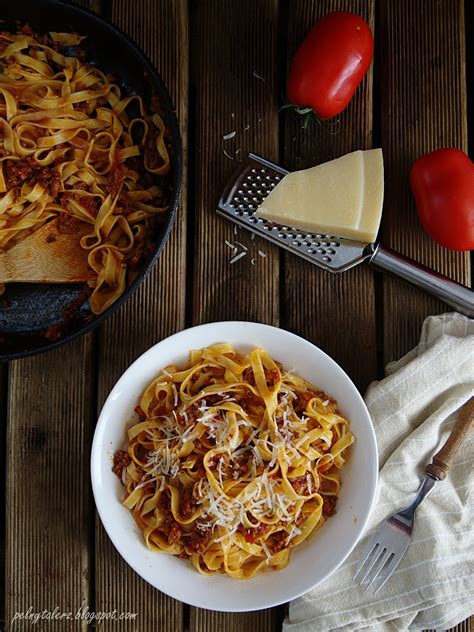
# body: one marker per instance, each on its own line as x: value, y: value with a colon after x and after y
x: 47, y: 256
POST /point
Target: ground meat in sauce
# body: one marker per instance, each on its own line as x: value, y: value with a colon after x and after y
x: 115, y: 178
x: 211, y: 400
x: 325, y: 485
x: 121, y: 459
x: 247, y: 398
x: 150, y: 488
x: 187, y: 504
x: 248, y: 376
x: 300, y: 485
x: 68, y: 225
x: 140, y: 412
x: 17, y: 172
x: 329, y: 505
x: 27, y: 170
x: 170, y: 527
x: 221, y: 463
x: 278, y: 541
x: 192, y: 414
x: 252, y: 535
x: 197, y: 541
x: 174, y: 532
x: 301, y: 402
x: 240, y: 465
x: 272, y: 376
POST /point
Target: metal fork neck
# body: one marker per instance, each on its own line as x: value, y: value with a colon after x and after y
x: 426, y: 486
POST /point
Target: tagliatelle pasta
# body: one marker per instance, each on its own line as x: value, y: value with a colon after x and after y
x: 71, y: 146
x: 233, y: 461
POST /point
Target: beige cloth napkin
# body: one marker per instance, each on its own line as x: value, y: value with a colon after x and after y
x: 413, y: 410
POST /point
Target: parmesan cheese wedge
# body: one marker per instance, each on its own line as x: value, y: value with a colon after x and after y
x: 342, y: 197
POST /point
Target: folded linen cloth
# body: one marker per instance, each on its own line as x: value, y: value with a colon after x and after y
x: 413, y: 410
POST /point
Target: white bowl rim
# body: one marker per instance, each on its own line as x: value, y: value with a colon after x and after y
x: 97, y: 458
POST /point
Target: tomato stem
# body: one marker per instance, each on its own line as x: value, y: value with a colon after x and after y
x: 331, y: 126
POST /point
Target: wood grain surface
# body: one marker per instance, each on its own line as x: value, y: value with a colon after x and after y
x: 336, y: 312
x: 237, y: 94
x: 156, y: 311
x: 423, y: 107
x: 48, y: 509
x: 3, y: 475
x: 225, y: 64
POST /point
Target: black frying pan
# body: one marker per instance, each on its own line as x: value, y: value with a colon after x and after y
x: 27, y: 311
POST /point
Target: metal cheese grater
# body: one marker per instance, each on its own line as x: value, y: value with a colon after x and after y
x: 254, y: 180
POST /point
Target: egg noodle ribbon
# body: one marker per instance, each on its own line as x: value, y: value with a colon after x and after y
x: 233, y: 461
x: 66, y: 139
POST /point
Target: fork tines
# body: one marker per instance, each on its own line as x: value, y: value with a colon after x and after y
x: 379, y: 560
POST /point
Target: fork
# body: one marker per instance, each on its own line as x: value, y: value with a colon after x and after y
x: 390, y: 541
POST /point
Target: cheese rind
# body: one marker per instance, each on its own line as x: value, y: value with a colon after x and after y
x: 342, y: 197
x: 373, y: 194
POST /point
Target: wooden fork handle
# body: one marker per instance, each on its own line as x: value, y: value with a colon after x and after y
x: 444, y: 458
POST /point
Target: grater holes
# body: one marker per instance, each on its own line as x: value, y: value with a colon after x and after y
x: 316, y: 243
x: 334, y: 244
x: 324, y: 244
x: 327, y: 259
x: 330, y: 251
x: 321, y: 251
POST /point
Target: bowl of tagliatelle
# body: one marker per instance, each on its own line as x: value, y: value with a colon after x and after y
x: 89, y: 144
x: 234, y: 466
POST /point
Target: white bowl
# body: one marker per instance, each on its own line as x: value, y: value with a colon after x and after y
x: 313, y: 561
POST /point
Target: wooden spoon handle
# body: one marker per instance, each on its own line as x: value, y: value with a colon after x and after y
x: 444, y: 458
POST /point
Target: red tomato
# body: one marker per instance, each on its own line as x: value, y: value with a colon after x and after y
x: 443, y: 185
x: 330, y: 63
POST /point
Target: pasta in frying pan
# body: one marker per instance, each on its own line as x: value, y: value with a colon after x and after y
x: 233, y: 461
x: 72, y: 146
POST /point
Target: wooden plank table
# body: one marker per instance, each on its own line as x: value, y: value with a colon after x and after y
x: 225, y: 64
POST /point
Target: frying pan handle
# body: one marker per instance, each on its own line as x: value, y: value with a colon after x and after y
x: 454, y: 294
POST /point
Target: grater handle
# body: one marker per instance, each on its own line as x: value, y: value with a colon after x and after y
x: 454, y: 294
